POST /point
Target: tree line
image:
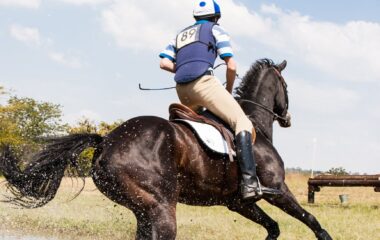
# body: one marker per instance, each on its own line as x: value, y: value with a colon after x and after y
x: 26, y: 123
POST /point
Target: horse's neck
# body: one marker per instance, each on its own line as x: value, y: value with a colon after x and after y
x: 264, y: 122
x: 259, y: 116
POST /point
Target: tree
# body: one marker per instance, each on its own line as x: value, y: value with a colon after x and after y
x: 26, y: 121
x: 8, y: 128
x: 338, y: 171
x: 35, y: 119
x: 2, y: 90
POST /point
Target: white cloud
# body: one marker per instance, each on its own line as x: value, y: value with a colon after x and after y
x: 27, y: 35
x: 345, y: 51
x: 66, y: 60
x: 323, y: 100
x: 32, y: 36
x: 21, y: 3
x: 85, y: 2
x: 145, y: 25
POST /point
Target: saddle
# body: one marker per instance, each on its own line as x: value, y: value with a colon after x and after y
x: 178, y: 112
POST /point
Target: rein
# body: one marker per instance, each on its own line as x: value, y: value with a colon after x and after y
x: 275, y: 115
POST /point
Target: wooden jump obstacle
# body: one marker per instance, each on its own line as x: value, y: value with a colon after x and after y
x: 317, y: 182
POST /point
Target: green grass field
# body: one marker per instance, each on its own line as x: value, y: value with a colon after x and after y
x: 93, y: 216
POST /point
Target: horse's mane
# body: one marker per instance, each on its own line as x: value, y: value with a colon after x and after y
x: 249, y: 81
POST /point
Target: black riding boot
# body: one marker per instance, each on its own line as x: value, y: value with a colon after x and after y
x: 250, y: 185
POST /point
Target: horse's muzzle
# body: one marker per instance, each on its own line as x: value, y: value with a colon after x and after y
x: 287, y: 122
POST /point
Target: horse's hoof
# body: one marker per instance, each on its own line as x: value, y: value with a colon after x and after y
x: 323, y: 235
x: 270, y: 238
x: 273, y: 232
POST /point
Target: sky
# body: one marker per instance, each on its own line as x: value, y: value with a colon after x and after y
x: 90, y: 55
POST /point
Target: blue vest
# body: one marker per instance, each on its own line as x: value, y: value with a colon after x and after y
x: 196, y: 52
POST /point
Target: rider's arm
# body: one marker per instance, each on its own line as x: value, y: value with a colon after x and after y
x: 168, y: 57
x: 231, y: 73
x: 167, y: 64
x: 225, y: 52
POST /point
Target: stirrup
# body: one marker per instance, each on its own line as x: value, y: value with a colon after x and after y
x: 271, y: 191
x: 261, y: 190
x: 266, y: 190
x: 252, y: 191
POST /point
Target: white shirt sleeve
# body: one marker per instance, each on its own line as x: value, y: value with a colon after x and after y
x: 170, y: 51
x: 223, y: 42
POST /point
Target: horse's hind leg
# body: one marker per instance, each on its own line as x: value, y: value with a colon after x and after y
x: 288, y: 203
x: 157, y: 223
x: 144, y: 226
x: 164, y: 225
x: 256, y: 214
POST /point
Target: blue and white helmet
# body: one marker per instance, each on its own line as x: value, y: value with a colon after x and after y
x: 205, y: 9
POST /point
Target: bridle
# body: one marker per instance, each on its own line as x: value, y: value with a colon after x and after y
x: 285, y: 90
x: 276, y: 116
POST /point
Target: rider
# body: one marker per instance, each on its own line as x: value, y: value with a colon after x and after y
x: 191, y: 56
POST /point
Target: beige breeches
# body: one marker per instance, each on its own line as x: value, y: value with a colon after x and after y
x: 208, y: 92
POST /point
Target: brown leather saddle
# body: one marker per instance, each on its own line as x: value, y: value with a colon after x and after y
x: 179, y: 111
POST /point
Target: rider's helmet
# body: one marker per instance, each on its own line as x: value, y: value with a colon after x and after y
x: 206, y: 9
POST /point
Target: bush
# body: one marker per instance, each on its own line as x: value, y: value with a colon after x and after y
x: 339, y: 171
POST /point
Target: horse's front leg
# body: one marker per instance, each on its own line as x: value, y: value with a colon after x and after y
x: 256, y: 214
x: 288, y: 203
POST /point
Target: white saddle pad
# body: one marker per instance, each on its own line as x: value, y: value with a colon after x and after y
x: 209, y: 135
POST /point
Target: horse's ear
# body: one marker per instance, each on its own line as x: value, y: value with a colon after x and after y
x: 282, y: 65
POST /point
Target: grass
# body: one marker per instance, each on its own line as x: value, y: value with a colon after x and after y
x: 93, y: 216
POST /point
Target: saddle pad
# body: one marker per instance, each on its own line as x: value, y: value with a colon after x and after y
x: 209, y: 135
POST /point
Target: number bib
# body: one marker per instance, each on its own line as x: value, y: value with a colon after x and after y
x: 188, y: 36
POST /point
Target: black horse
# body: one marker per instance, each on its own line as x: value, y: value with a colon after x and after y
x: 148, y: 164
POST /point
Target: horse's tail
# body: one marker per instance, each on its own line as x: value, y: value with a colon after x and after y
x: 39, y: 182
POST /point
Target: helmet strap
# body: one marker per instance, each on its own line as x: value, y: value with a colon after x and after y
x: 214, y: 19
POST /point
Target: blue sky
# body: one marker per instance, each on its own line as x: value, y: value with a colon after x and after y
x: 327, y: 10
x: 90, y: 55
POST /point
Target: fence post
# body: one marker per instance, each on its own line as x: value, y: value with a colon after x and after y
x: 310, y: 194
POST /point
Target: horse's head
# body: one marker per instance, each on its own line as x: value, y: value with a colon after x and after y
x: 281, y: 103
x: 264, y: 90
